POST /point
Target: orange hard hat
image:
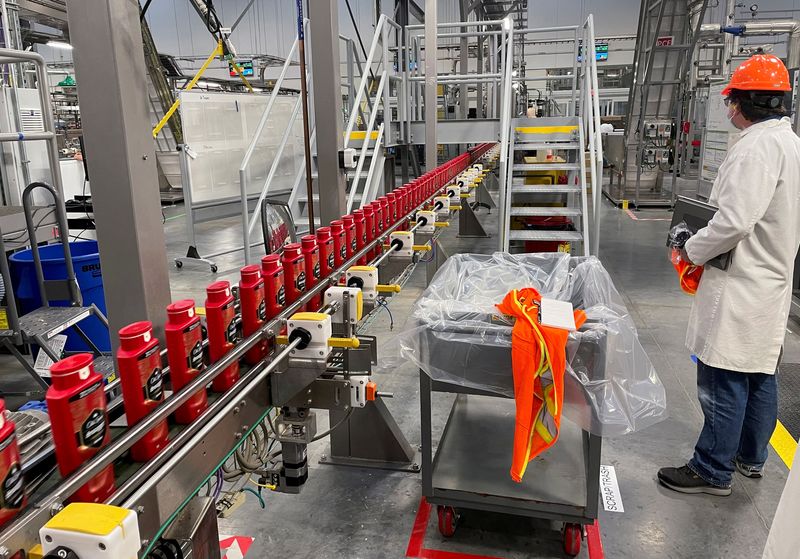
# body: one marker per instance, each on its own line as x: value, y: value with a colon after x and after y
x: 761, y: 72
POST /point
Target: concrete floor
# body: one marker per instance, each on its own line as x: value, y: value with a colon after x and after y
x: 350, y: 512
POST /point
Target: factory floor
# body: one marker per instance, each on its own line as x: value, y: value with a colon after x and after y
x: 364, y: 513
x: 351, y: 512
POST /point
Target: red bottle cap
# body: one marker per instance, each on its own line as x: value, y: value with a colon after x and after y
x: 368, y: 211
x: 358, y: 215
x: 324, y: 234
x: 133, y: 336
x: 180, y: 310
x: 270, y: 264
x: 349, y: 220
x: 309, y: 242
x: 292, y: 250
x: 337, y: 226
x: 218, y: 292
x: 62, y: 371
x: 250, y: 273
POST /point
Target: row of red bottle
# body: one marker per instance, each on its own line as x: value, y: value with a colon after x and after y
x: 76, y: 400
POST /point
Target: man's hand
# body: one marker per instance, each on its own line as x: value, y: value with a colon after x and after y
x: 685, y: 257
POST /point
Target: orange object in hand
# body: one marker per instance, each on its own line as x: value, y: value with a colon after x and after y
x: 538, y: 357
x: 688, y: 274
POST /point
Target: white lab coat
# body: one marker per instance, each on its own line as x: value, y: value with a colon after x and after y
x: 739, y: 315
x: 783, y: 541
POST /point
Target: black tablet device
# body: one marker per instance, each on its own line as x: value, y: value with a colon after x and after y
x: 696, y: 215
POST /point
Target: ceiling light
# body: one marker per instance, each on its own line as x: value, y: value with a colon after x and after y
x: 59, y: 45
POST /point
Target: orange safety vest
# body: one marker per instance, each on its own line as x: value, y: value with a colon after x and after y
x: 688, y: 274
x: 538, y: 358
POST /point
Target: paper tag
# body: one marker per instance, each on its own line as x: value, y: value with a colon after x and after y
x: 43, y: 362
x: 609, y: 490
x: 557, y: 314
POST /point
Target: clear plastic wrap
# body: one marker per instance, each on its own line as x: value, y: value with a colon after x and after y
x: 456, y: 335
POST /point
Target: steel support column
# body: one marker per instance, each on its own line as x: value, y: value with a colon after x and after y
x: 121, y: 159
x: 326, y: 79
x: 431, y: 71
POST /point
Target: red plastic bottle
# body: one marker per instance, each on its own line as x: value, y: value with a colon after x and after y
x: 327, y: 261
x: 12, y: 482
x: 294, y: 269
x: 391, y: 197
x: 369, y: 228
x: 339, y: 242
x: 185, y: 356
x: 380, y: 226
x: 253, y: 309
x: 350, y: 234
x: 361, y: 234
x: 274, y: 290
x: 313, y: 269
x: 76, y: 404
x: 142, y: 379
x: 222, y: 335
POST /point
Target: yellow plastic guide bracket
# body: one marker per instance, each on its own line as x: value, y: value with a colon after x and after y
x: 350, y: 343
x: 465, y: 195
x: 392, y: 288
x: 454, y: 207
x: 442, y: 224
x: 421, y: 248
x: 283, y: 340
x: 161, y: 123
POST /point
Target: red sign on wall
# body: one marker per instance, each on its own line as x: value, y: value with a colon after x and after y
x: 664, y: 41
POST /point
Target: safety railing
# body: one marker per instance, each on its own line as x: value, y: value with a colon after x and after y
x: 250, y: 220
x: 378, y: 65
x: 590, y: 115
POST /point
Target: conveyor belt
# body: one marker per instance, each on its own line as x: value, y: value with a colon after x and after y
x: 789, y: 397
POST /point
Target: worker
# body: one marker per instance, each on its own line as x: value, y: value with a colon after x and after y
x: 738, y: 317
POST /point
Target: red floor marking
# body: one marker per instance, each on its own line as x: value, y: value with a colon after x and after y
x: 594, y: 541
x: 631, y: 215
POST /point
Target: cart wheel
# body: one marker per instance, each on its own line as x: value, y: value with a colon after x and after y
x: 447, y: 521
x: 572, y: 539
x: 178, y: 264
x: 214, y: 268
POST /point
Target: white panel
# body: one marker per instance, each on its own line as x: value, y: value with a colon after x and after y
x: 219, y: 128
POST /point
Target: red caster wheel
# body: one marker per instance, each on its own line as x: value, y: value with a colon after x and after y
x: 572, y: 539
x: 447, y: 520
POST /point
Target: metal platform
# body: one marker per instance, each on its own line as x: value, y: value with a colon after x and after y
x: 533, y: 211
x: 475, y: 452
x: 519, y: 188
x: 523, y: 167
x: 50, y: 321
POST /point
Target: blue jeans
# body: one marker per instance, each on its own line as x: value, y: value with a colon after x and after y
x: 740, y: 412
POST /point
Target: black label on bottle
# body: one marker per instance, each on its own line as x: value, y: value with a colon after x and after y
x: 12, y: 488
x: 230, y: 332
x: 154, y: 387
x: 93, y: 429
x: 300, y: 281
x: 343, y: 252
x: 364, y: 237
x: 262, y: 310
x: 330, y: 261
x: 195, y: 357
x: 280, y: 297
x: 353, y: 245
x: 317, y: 271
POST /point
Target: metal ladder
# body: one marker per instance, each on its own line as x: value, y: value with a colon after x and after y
x: 538, y: 189
x: 40, y: 326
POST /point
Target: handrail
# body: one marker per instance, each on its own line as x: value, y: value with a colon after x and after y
x: 370, y: 184
x: 365, y: 145
x: 597, y: 172
x: 362, y: 84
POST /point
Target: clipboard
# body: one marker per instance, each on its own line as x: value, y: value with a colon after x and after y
x: 696, y: 215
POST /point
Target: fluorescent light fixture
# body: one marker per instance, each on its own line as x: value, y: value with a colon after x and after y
x: 507, y: 23
x: 59, y: 45
x: 514, y: 73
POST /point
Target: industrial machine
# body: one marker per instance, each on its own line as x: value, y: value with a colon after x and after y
x: 259, y: 429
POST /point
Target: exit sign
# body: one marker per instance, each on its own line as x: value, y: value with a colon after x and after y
x: 664, y: 41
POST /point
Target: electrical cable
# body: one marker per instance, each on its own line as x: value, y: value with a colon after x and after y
x: 144, y: 10
x: 332, y: 429
x: 258, y: 496
x: 385, y: 305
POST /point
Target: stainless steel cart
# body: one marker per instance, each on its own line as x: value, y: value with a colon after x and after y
x: 470, y: 468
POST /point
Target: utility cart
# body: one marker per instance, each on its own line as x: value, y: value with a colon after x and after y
x: 462, y: 346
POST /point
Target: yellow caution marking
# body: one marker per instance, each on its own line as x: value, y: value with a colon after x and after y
x: 784, y: 444
x: 546, y: 129
x: 361, y: 134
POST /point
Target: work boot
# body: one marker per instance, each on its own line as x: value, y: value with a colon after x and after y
x: 684, y: 480
x: 752, y: 472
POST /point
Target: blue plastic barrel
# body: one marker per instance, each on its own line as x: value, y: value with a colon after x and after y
x: 86, y: 261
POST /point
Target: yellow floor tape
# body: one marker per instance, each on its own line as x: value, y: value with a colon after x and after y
x: 784, y: 444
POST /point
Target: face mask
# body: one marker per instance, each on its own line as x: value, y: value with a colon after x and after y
x: 733, y: 110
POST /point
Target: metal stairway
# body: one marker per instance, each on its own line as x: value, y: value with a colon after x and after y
x: 546, y: 200
x: 667, y: 35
